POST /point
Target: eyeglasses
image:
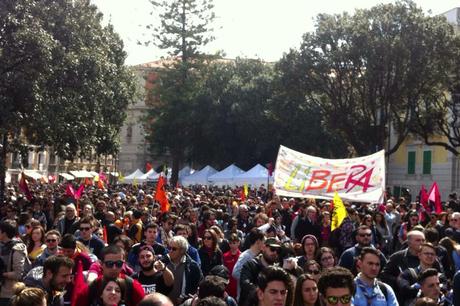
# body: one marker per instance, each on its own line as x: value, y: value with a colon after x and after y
x: 111, y: 263
x: 207, y: 238
x: 82, y: 229
x: 364, y: 235
x: 315, y: 272
x: 333, y: 300
x: 51, y: 240
x: 275, y: 249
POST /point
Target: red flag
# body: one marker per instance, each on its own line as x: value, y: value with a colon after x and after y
x: 70, y: 191
x: 424, y: 198
x: 80, y: 190
x: 24, y: 187
x: 160, y: 194
x: 51, y: 179
x: 242, y: 195
x: 270, y: 169
x: 104, y: 234
x: 148, y: 166
x: 79, y: 285
x: 88, y: 182
x: 435, y: 197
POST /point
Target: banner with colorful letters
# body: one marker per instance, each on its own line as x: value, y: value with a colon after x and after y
x: 359, y: 179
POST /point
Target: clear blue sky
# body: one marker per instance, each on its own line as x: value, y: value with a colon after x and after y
x: 250, y: 28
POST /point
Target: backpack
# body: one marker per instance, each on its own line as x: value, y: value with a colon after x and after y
x: 383, y: 288
x: 94, y: 291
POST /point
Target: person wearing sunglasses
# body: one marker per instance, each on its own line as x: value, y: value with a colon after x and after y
x: 251, y: 269
x: 363, y: 239
x: 369, y: 290
x: 112, y: 261
x: 187, y: 273
x: 52, y: 240
x: 92, y: 242
x: 336, y: 287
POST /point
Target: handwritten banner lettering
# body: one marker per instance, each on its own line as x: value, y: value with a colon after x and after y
x: 359, y: 179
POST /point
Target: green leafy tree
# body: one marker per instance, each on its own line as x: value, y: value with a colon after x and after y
x: 374, y: 69
x: 185, y: 28
x: 63, y: 81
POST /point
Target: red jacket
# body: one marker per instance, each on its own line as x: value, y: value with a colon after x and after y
x: 230, y: 261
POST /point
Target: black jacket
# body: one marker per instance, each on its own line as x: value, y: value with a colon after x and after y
x: 248, y: 279
x: 208, y: 262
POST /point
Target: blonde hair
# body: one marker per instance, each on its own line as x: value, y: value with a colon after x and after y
x: 27, y: 296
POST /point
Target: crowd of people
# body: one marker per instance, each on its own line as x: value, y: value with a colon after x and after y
x: 116, y: 246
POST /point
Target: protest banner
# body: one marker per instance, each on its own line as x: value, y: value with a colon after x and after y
x: 359, y: 179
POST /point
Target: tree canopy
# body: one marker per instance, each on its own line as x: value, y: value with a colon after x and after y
x: 63, y: 81
x: 375, y: 68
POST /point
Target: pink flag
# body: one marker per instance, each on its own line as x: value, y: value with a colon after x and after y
x: 102, y: 176
x: 78, y: 193
x: 70, y: 191
x: 435, y: 197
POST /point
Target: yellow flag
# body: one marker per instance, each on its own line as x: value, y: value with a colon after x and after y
x: 96, y: 178
x: 135, y: 182
x: 245, y: 188
x: 121, y: 178
x: 339, y: 213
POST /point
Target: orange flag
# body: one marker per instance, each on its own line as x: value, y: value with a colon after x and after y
x: 160, y: 194
x: 100, y: 184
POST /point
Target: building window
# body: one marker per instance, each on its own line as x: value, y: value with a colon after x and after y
x: 426, y: 162
x: 411, y: 162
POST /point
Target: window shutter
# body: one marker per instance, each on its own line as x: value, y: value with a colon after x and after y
x: 411, y: 162
x: 426, y: 162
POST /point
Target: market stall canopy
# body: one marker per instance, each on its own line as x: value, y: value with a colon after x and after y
x: 255, y: 177
x: 186, y: 171
x: 33, y: 174
x: 136, y: 176
x: 66, y: 176
x: 151, y: 175
x: 199, y: 177
x: 94, y: 173
x: 226, y: 176
x: 81, y: 174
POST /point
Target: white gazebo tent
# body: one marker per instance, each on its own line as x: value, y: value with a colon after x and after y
x: 81, y: 174
x: 66, y: 176
x: 184, y: 172
x: 226, y: 176
x: 199, y: 177
x: 151, y: 175
x: 33, y: 174
x: 255, y: 177
x: 136, y: 176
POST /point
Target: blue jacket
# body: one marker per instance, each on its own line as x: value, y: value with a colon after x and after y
x: 377, y: 297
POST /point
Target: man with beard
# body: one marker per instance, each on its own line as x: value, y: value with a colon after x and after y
x: 150, y: 234
x: 154, y: 275
x: 52, y: 240
x: 363, y: 239
x: 53, y: 277
x: 252, y: 268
